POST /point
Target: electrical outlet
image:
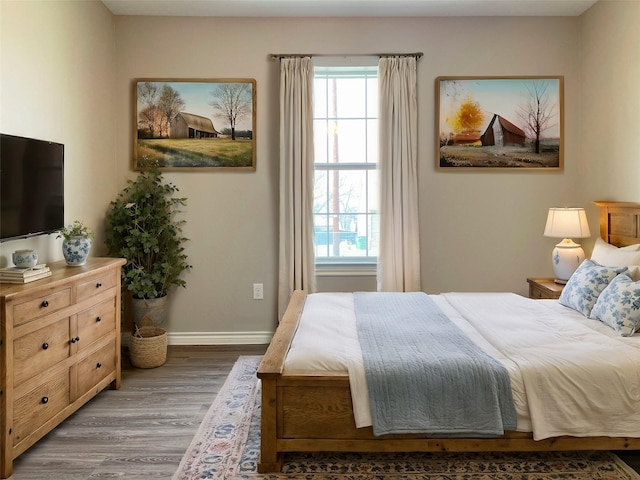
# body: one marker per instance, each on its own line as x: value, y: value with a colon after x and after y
x: 258, y: 291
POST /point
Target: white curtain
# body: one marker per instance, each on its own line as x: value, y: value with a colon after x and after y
x: 297, y: 260
x: 399, y: 255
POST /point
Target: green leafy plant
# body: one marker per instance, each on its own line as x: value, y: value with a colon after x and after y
x: 142, y: 228
x: 76, y: 229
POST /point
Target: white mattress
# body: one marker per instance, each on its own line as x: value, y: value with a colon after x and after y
x: 583, y: 379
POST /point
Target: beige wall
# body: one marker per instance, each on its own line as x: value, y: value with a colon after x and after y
x: 57, y: 83
x: 481, y: 231
x: 610, y: 120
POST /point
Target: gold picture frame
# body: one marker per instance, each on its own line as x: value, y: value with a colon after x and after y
x: 194, y: 124
x: 507, y: 123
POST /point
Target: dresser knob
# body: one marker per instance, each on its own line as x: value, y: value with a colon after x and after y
x: 45, y: 345
x: 98, y: 285
x: 45, y: 304
x: 98, y: 319
x: 98, y: 365
x: 74, y: 340
x: 45, y: 400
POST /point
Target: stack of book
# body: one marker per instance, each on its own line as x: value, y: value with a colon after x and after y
x: 24, y: 275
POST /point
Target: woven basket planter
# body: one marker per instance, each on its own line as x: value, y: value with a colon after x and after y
x: 148, y: 347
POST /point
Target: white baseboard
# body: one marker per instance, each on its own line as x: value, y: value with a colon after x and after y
x: 213, y: 338
x: 220, y: 338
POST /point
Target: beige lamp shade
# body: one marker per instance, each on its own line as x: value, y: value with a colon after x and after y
x: 566, y: 223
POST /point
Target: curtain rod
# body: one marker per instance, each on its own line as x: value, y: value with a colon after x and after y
x: 280, y: 56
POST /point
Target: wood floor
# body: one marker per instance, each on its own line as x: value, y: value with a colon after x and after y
x: 142, y: 430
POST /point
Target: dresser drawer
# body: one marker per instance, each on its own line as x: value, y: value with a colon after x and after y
x: 40, y: 306
x: 96, y: 322
x: 40, y: 404
x: 96, y: 367
x: 39, y: 350
x: 96, y: 284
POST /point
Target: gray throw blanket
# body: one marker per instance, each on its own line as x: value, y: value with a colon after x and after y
x: 424, y: 375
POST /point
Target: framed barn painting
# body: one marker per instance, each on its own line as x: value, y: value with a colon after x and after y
x: 513, y: 123
x: 194, y: 125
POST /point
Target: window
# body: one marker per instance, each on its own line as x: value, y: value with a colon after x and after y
x: 345, y: 206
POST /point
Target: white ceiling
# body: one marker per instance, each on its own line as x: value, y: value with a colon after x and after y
x: 348, y: 8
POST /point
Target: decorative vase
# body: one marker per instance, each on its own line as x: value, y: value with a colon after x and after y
x: 76, y: 250
x: 25, y: 258
x: 149, y: 312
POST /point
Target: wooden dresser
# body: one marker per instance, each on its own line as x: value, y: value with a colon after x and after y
x: 60, y: 346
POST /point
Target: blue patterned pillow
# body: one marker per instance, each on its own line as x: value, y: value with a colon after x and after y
x: 619, y: 306
x: 586, y: 284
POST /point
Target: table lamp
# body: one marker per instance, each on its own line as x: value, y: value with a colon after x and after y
x: 566, y: 223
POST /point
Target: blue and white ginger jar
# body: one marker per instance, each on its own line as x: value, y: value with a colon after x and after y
x: 76, y: 250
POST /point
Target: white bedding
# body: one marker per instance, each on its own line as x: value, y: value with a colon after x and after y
x: 570, y: 375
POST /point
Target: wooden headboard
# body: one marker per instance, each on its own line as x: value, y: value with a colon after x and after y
x: 620, y: 222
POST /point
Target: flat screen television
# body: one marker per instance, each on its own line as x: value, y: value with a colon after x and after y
x: 31, y: 187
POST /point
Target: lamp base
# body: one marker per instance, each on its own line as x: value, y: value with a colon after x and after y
x: 567, y: 257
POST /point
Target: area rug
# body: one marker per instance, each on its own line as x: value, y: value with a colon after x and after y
x: 227, y: 446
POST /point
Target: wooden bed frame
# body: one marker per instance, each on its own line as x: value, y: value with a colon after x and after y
x: 311, y: 411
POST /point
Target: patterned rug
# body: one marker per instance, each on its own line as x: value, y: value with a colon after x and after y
x: 227, y: 446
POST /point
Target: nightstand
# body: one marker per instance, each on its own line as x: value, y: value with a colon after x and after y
x: 544, y: 288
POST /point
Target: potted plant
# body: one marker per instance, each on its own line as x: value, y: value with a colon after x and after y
x: 76, y: 243
x: 141, y: 227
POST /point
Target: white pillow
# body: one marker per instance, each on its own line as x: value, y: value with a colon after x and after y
x: 619, y: 306
x: 612, y: 256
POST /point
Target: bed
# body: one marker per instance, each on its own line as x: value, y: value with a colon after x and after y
x: 312, y: 410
